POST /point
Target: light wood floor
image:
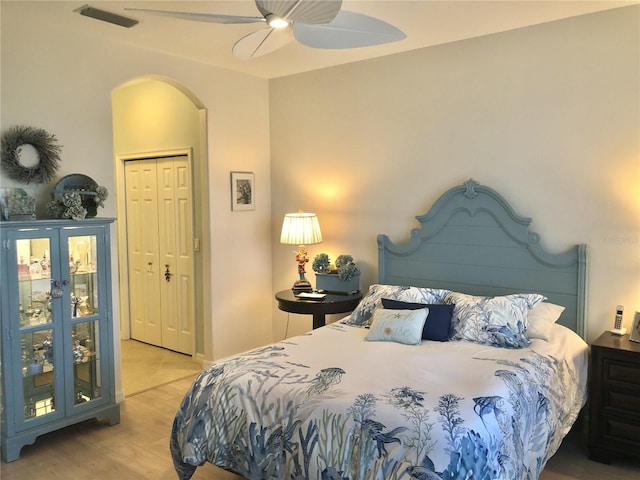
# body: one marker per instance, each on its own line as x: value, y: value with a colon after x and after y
x: 135, y: 449
x: 138, y: 449
x: 145, y: 366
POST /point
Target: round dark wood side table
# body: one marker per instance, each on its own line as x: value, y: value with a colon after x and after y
x: 331, y: 303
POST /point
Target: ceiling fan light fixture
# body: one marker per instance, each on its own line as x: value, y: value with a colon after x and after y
x: 314, y: 23
x: 276, y: 22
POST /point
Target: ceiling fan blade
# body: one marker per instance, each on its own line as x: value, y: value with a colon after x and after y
x: 305, y: 11
x: 201, y: 17
x: 261, y: 42
x: 348, y: 30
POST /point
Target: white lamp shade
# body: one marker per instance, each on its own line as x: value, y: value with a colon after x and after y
x: 300, y: 229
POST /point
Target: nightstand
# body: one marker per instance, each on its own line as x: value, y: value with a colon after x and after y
x: 331, y: 303
x: 614, y: 392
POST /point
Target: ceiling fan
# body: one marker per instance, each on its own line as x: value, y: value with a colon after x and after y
x: 315, y: 23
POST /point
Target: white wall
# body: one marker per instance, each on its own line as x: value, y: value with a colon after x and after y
x: 53, y: 80
x: 548, y: 116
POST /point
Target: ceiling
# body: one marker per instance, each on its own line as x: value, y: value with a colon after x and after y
x: 426, y: 23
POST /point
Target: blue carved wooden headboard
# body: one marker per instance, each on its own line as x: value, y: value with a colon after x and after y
x: 472, y: 241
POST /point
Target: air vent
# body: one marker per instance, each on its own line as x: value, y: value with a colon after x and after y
x: 109, y: 17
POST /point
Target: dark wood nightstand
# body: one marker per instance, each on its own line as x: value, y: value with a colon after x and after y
x: 331, y: 303
x: 614, y: 392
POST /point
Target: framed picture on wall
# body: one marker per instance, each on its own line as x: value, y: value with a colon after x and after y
x: 634, y: 335
x: 243, y: 191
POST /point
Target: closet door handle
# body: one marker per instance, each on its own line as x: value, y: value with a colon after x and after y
x: 167, y: 273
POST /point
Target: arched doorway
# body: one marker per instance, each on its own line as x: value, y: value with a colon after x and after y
x: 158, y: 122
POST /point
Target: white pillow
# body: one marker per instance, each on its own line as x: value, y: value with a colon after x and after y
x: 541, y: 318
x: 402, y: 326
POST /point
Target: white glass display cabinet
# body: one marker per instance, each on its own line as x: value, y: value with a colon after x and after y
x: 57, y: 328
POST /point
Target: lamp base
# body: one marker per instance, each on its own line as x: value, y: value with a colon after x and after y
x: 302, y: 286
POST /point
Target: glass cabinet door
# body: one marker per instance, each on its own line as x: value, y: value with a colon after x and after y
x: 60, y: 320
x: 83, y: 275
x: 34, y: 281
x: 85, y: 319
x: 87, y: 379
x: 36, y: 310
x: 38, y: 373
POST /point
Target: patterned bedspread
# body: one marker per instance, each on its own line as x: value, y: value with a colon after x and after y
x: 330, y: 405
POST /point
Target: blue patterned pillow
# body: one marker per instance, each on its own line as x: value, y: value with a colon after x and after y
x: 401, y: 326
x: 497, y: 321
x: 361, y: 316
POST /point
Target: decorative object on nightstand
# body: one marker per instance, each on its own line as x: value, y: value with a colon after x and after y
x: 341, y: 278
x: 634, y: 335
x: 301, y: 229
x: 614, y: 392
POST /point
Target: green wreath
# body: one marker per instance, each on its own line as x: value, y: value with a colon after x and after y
x: 48, y: 154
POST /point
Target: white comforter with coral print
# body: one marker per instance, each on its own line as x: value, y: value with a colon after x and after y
x: 331, y: 405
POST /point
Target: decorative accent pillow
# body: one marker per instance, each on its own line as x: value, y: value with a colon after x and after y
x: 438, y: 322
x: 361, y: 316
x: 541, y: 318
x: 497, y: 321
x: 402, y: 326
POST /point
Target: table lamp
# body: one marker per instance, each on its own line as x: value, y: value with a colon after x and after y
x: 301, y: 229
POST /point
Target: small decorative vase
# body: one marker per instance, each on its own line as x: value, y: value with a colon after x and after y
x: 35, y: 368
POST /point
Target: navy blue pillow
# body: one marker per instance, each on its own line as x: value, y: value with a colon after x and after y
x: 438, y: 321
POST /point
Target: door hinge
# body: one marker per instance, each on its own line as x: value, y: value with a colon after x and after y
x: 196, y: 244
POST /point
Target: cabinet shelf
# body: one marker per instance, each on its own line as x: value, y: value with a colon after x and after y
x: 47, y: 371
x: 35, y: 328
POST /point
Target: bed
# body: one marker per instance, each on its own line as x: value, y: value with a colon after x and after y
x: 465, y: 360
